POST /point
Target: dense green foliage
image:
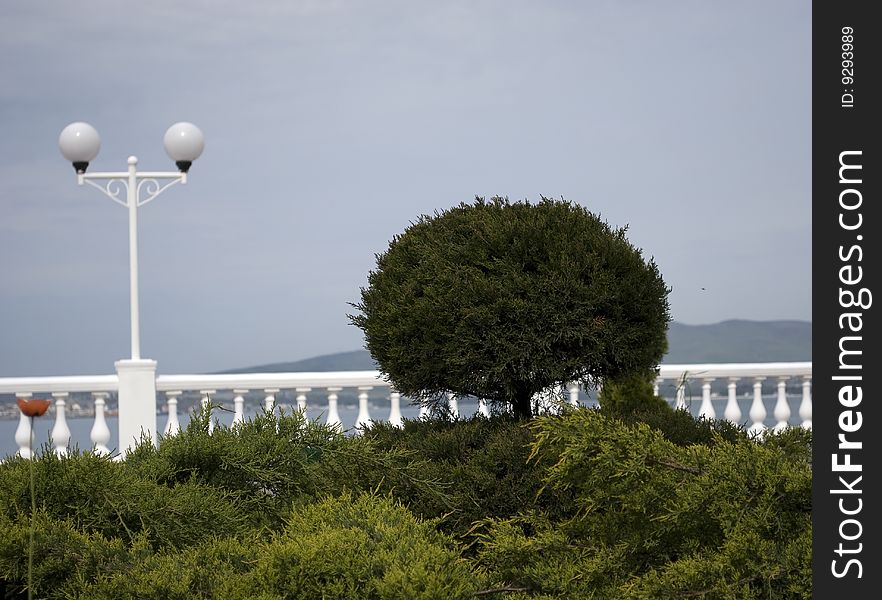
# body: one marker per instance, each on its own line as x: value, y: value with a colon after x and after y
x: 501, y: 301
x: 591, y: 503
x: 631, y: 393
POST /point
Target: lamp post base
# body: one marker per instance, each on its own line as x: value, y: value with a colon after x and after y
x: 137, y: 402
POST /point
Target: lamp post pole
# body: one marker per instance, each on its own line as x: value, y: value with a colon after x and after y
x: 134, y: 305
x: 184, y: 143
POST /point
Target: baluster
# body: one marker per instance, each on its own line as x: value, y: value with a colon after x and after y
x: 206, y: 408
x: 424, y: 410
x: 483, y: 408
x: 23, y: 431
x: 574, y: 394
x: 681, y: 395
x: 453, y: 405
x: 239, y: 406
x: 333, y: 413
x: 395, y: 411
x: 757, y: 408
x: 269, y: 403
x: 707, y: 408
x: 805, y: 408
x: 301, y: 399
x: 364, y: 417
x: 656, y: 385
x: 60, y: 432
x: 782, y: 407
x: 733, y: 412
x: 172, y: 424
x: 100, y: 433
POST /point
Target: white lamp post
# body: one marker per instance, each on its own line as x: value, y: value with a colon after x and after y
x: 79, y: 143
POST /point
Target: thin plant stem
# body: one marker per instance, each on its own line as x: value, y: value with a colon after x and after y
x: 33, y: 513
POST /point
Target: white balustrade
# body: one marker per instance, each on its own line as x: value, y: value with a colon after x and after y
x: 239, y: 406
x: 680, y: 404
x: 269, y: 402
x: 206, y: 407
x: 301, y: 398
x: 333, y: 413
x: 733, y: 411
x: 172, y: 425
x: 100, y: 434
x: 395, y: 409
x: 483, y: 408
x: 243, y: 387
x: 364, y: 417
x: 24, y: 433
x: 805, y: 407
x: 453, y: 405
x: 782, y: 409
x: 61, y: 431
x: 574, y: 394
x: 757, y: 408
x: 707, y: 408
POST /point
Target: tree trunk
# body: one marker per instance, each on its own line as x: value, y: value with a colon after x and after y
x: 522, y: 405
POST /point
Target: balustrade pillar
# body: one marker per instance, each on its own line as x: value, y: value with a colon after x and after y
x: 172, y: 424
x: 757, y: 408
x: 269, y: 403
x: 574, y: 394
x: 60, y: 432
x: 333, y: 413
x: 656, y: 385
x: 364, y: 417
x: 681, y: 395
x: 206, y: 408
x: 733, y: 412
x: 483, y: 408
x: 301, y: 399
x: 805, y: 407
x: 707, y: 408
x: 239, y: 406
x: 395, y: 409
x: 453, y: 405
x: 23, y: 433
x: 100, y: 434
x: 782, y: 407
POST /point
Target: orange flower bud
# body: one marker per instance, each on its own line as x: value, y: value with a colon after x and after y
x: 33, y: 407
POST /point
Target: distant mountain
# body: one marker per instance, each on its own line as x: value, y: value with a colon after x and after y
x: 728, y: 341
x: 356, y: 360
x: 740, y: 341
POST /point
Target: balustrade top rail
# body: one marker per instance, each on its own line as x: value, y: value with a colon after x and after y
x: 256, y: 381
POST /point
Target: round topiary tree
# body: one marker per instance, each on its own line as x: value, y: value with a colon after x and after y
x: 503, y: 300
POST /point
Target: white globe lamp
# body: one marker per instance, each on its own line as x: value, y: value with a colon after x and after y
x: 183, y: 143
x: 79, y: 143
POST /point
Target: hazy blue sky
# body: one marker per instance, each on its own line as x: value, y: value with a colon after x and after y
x: 331, y: 125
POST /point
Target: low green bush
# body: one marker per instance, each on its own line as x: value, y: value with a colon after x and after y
x: 62, y: 553
x: 360, y: 548
x: 271, y: 461
x: 680, y: 427
x: 633, y: 392
x: 657, y: 520
x: 347, y: 547
x: 483, y: 464
x: 99, y: 495
x: 206, y: 570
x: 591, y: 503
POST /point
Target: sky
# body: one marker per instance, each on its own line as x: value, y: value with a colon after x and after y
x: 331, y: 125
